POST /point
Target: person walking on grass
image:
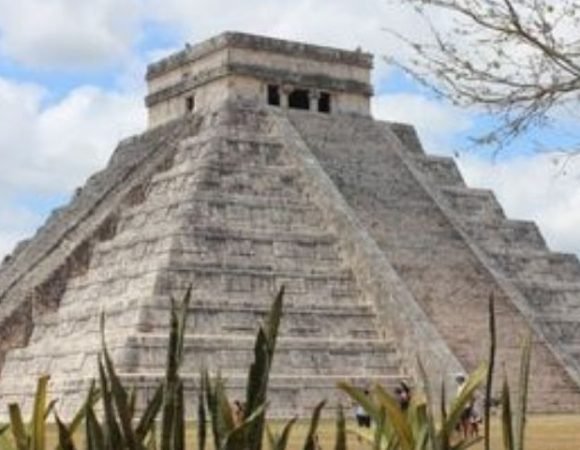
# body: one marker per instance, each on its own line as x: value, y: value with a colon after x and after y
x: 470, y: 419
x: 363, y: 419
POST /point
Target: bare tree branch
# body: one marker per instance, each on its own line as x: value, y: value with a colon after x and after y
x: 516, y: 59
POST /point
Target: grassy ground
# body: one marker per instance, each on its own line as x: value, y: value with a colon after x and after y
x: 554, y: 432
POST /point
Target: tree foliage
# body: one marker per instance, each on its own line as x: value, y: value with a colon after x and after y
x: 516, y: 59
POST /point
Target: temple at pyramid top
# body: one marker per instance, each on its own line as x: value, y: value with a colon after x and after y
x: 258, y: 70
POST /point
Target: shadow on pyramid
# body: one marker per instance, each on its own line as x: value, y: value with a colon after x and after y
x: 262, y: 168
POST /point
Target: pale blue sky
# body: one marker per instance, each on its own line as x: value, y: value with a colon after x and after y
x: 71, y: 86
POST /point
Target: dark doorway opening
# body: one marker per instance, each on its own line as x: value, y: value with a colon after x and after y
x: 324, y: 102
x: 273, y: 95
x: 299, y: 99
x: 190, y: 103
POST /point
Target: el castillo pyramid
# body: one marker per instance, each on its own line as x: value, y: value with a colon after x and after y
x: 262, y: 167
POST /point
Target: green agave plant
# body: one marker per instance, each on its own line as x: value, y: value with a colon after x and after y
x: 513, y: 421
x: 417, y: 428
x: 117, y: 427
x: 33, y: 435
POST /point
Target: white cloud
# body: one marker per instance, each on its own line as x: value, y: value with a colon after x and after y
x: 341, y: 23
x: 51, y: 150
x: 70, y: 33
x: 16, y: 223
x: 436, y: 122
x: 54, y: 148
x: 534, y: 188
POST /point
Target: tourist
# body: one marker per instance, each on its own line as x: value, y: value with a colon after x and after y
x: 363, y: 419
x: 469, y: 420
x: 238, y: 413
x: 403, y: 395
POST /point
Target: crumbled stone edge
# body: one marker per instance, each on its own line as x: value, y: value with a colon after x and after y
x: 68, y: 227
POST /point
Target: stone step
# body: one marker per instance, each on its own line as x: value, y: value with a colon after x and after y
x: 212, y: 176
x: 237, y: 152
x: 239, y: 120
x: 71, y: 321
x: 473, y: 204
x: 508, y: 234
x: 227, y: 177
x: 263, y: 186
x: 296, y: 356
x: 268, y: 220
x: 282, y: 255
x: 537, y: 266
x: 551, y: 297
x: 206, y: 238
x: 340, y: 301
x: 438, y: 170
x: 288, y: 395
x: 226, y: 318
x: 222, y: 150
x: 203, y: 199
x: 408, y: 137
x: 257, y: 282
x: 147, y: 352
x: 563, y: 329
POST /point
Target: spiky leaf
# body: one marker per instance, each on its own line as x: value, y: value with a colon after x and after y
x: 396, y: 418
x: 259, y: 373
x: 94, y: 433
x: 201, y: 416
x: 491, y: 364
x: 38, y: 423
x: 65, y: 440
x: 360, y: 397
x: 506, y: 417
x: 237, y: 438
x: 520, y: 413
x: 340, y: 441
x: 458, y: 406
x: 147, y: 420
x: 430, y: 423
x: 111, y: 432
x: 170, y: 382
x: 179, y: 421
x: 21, y: 438
x: 311, y: 437
x: 281, y: 442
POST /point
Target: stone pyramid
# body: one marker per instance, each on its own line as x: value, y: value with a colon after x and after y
x: 262, y: 167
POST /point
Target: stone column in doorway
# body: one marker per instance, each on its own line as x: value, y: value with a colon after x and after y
x: 285, y: 91
x: 313, y: 98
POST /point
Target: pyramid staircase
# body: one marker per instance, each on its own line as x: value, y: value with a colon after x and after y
x: 452, y: 246
x: 544, y: 285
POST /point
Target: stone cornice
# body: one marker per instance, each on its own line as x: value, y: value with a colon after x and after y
x: 318, y: 81
x: 259, y: 43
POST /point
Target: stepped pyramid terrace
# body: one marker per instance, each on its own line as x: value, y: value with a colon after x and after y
x: 261, y: 167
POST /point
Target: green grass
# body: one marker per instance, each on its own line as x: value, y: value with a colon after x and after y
x: 545, y: 432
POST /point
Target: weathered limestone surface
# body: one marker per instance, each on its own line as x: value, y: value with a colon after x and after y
x: 384, y: 252
x: 438, y: 260
x: 542, y: 285
x: 229, y: 216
